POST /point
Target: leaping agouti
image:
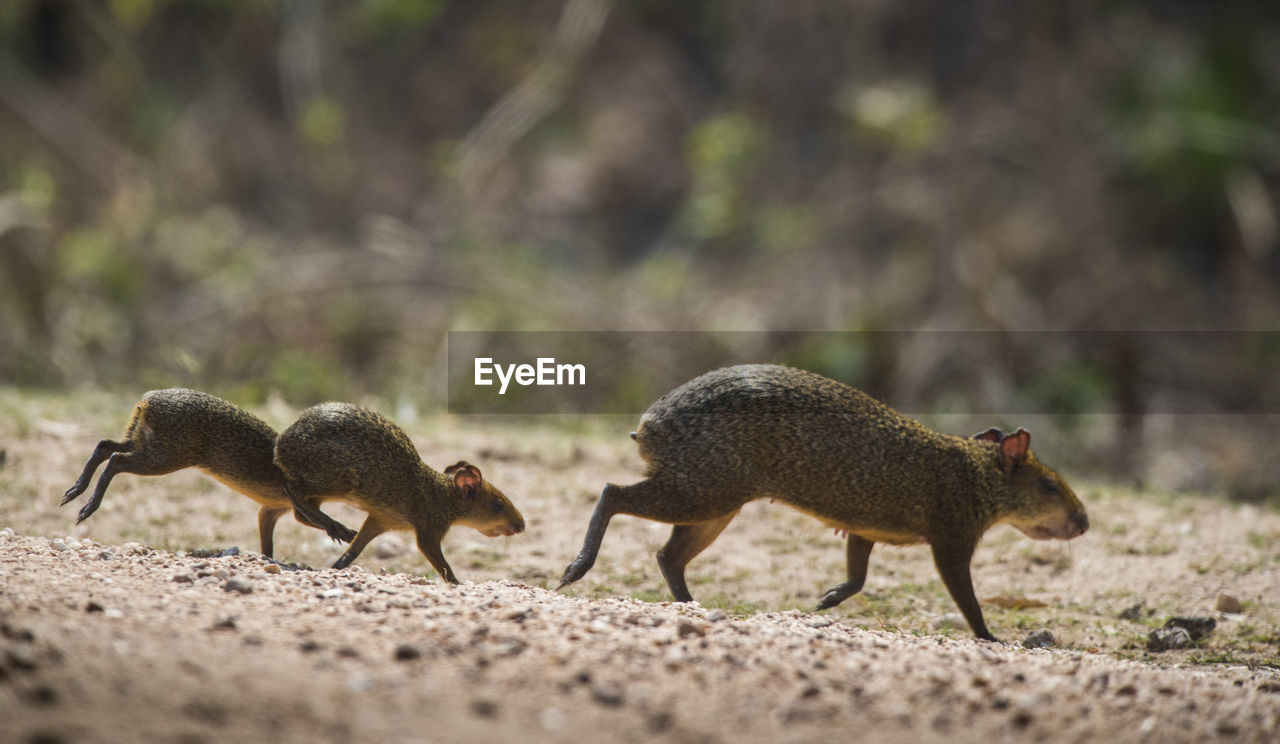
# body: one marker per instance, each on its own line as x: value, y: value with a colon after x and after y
x: 742, y: 433
x: 338, y: 451
x: 178, y: 428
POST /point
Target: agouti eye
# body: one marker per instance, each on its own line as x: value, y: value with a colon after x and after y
x: 1047, y: 484
x: 496, y: 507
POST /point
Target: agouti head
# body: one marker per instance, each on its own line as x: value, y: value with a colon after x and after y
x: 1038, y: 502
x: 484, y: 507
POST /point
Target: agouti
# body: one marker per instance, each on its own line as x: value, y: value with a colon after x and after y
x: 742, y: 433
x: 338, y: 451
x: 179, y: 428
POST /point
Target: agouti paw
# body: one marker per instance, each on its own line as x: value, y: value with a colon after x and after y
x: 575, y: 571
x: 341, y: 533
x: 833, y: 597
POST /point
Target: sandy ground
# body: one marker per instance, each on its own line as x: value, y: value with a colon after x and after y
x: 114, y: 630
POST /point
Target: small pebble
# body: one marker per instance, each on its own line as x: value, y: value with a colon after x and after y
x: 1164, y: 639
x: 1196, y: 627
x: 1133, y: 612
x: 225, y: 623
x: 1228, y: 604
x: 183, y: 578
x: 407, y: 652
x: 20, y: 657
x: 687, y: 628
x: 238, y: 584
x: 271, y: 568
x: 93, y: 606
x: 552, y: 719
x: 607, y: 695
x: 233, y: 550
x: 58, y: 544
x: 1039, y: 639
x: 717, y: 615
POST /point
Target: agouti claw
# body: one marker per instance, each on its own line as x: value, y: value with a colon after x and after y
x: 341, y: 534
x: 833, y: 597
x: 574, y: 572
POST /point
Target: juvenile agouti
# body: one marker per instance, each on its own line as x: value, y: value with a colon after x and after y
x: 753, y: 431
x: 179, y: 428
x: 338, y: 451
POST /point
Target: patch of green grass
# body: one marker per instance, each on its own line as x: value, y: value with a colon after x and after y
x: 652, y: 595
x: 485, y: 560
x: 1221, y: 656
x: 780, y: 545
x: 1263, y: 540
x: 730, y: 604
x: 634, y: 578
x: 1020, y: 619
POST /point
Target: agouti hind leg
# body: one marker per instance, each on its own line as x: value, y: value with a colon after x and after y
x: 654, y: 499
x: 106, y: 448
x: 687, y: 540
x: 149, y: 461
x: 858, y: 552
x: 606, y: 507
x: 309, y: 514
x: 267, y: 518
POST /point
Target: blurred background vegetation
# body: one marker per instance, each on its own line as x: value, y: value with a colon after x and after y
x: 299, y: 197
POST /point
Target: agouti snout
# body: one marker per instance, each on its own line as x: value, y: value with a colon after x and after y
x: 338, y: 451
x: 754, y: 431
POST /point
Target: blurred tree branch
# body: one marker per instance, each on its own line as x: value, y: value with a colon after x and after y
x: 521, y: 109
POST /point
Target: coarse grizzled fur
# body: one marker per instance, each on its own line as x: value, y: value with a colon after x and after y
x: 753, y: 431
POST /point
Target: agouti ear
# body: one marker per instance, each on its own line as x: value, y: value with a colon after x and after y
x: 991, y: 435
x: 1013, y: 449
x: 465, y: 476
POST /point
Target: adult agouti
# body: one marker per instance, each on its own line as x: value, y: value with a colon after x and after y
x: 753, y: 431
x: 179, y: 428
x: 338, y: 451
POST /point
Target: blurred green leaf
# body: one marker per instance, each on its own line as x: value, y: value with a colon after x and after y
x: 323, y: 122
x: 901, y: 115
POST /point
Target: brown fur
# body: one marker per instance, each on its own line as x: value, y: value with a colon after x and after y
x: 179, y: 428
x: 754, y: 431
x: 338, y: 451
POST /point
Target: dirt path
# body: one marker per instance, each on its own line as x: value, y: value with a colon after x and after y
x: 130, y: 644
x: 103, y: 639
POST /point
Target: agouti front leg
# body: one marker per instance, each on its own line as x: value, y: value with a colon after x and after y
x: 371, y: 528
x: 858, y: 552
x: 952, y: 560
x: 429, y: 544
